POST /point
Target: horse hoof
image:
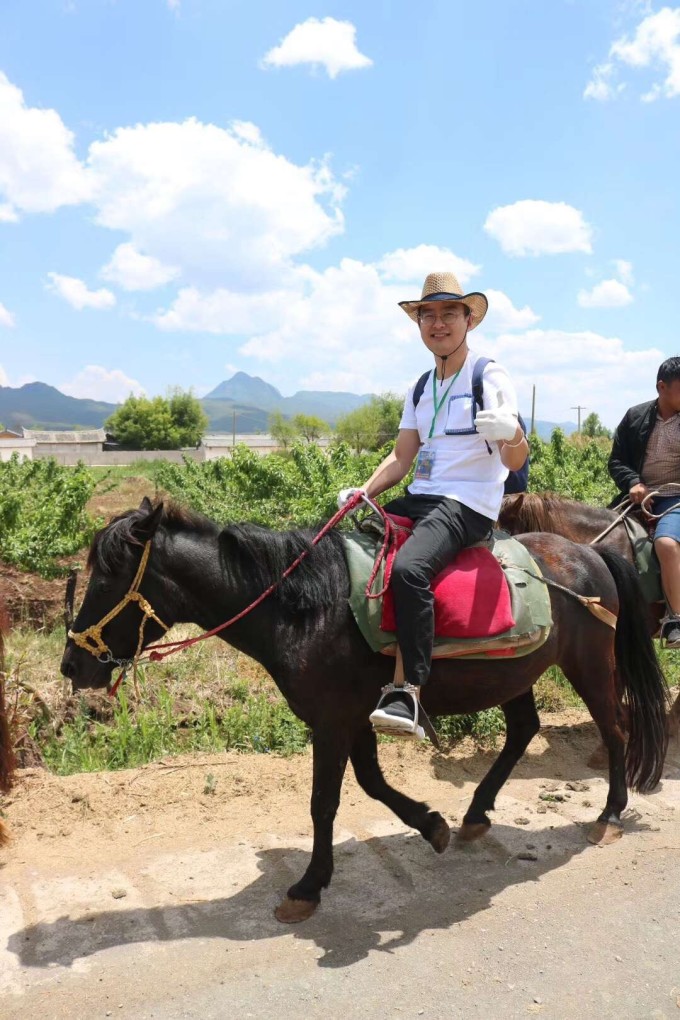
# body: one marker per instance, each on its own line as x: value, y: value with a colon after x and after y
x: 440, y: 836
x: 292, y: 911
x: 469, y: 831
x: 604, y: 833
x: 599, y: 759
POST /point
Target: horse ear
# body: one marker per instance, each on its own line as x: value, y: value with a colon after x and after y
x: 145, y: 528
x: 146, y: 505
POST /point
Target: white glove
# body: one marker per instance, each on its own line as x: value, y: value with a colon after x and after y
x: 345, y: 495
x: 498, y: 423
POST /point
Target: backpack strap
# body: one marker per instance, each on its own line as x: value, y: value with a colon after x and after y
x: 478, y: 385
x: 419, y: 388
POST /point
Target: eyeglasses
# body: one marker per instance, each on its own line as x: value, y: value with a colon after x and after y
x: 448, y: 318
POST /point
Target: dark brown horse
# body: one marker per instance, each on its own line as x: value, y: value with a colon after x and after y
x: 579, y: 522
x: 6, y: 750
x: 305, y: 636
x: 544, y: 511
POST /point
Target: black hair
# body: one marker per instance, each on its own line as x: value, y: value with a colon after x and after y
x: 669, y: 370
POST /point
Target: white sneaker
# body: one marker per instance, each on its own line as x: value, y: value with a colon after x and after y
x: 397, y: 713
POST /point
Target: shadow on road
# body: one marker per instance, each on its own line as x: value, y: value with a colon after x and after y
x: 386, y: 891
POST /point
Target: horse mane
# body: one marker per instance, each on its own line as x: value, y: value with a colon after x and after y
x: 537, y: 511
x: 109, y: 546
x: 252, y: 553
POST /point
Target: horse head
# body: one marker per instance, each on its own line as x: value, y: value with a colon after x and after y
x: 124, y: 601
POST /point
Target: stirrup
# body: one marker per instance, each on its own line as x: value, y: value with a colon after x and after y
x: 669, y: 618
x: 395, y: 725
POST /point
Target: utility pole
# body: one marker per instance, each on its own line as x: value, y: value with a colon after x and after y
x: 579, y: 408
x: 233, y: 428
x: 533, y: 411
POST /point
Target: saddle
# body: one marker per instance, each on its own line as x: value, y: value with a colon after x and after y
x: 486, y: 602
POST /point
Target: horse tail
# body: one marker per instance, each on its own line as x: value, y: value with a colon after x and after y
x: 644, y: 684
x: 7, y: 761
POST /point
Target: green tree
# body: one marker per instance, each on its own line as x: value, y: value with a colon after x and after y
x: 157, y: 423
x: 188, y: 417
x: 144, y: 424
x: 593, y: 427
x: 310, y: 427
x: 372, y: 425
x: 282, y: 429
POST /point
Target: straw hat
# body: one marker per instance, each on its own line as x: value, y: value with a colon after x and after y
x: 445, y: 287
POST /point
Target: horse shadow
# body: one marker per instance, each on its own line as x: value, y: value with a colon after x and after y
x: 386, y: 891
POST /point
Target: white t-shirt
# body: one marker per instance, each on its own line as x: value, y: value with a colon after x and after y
x: 464, y: 466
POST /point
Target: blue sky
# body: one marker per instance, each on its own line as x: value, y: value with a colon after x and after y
x: 191, y: 187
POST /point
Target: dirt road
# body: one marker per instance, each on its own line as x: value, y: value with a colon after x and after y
x: 142, y: 894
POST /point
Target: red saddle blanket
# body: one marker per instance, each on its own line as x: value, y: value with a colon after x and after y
x: 471, y: 596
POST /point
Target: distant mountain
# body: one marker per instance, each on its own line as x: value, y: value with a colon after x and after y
x: 544, y: 429
x: 247, y: 389
x: 244, y: 402
x: 253, y: 392
x: 37, y: 404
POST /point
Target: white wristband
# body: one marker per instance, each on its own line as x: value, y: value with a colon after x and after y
x: 513, y: 446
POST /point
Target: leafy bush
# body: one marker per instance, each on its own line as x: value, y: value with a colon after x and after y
x: 574, y: 467
x: 294, y: 489
x: 42, y: 513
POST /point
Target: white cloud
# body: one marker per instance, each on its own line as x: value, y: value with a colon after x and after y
x: 607, y: 294
x: 39, y: 170
x: 216, y: 203
x: 327, y: 42
x: 95, y: 382
x: 602, y: 85
x: 221, y: 311
x: 502, y: 314
x: 535, y: 227
x: 6, y: 317
x: 8, y: 214
x: 553, y: 360
x: 624, y: 271
x: 414, y: 264
x: 76, y: 293
x: 344, y: 323
x: 133, y: 271
x: 656, y: 44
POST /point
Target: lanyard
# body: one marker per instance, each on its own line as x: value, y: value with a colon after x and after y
x: 438, y: 406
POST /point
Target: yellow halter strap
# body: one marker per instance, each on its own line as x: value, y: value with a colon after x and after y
x: 91, y: 638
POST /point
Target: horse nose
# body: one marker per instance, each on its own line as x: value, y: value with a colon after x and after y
x: 68, y: 668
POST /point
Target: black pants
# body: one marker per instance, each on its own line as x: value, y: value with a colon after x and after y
x: 442, y: 527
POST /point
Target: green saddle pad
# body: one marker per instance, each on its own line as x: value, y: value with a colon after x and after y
x: 530, y: 600
x: 645, y: 560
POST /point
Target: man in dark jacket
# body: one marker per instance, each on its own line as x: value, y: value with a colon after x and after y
x: 645, y: 458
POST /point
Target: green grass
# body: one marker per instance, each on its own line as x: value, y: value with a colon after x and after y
x: 135, y: 736
x: 121, y: 472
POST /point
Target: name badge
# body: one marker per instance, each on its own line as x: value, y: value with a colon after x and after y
x: 424, y: 463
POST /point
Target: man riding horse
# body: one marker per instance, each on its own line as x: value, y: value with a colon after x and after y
x: 462, y: 457
x: 645, y: 458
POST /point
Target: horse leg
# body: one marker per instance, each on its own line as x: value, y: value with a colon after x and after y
x: 602, y: 701
x: 330, y: 752
x: 599, y: 759
x: 522, y: 725
x: 364, y: 758
x: 674, y: 719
